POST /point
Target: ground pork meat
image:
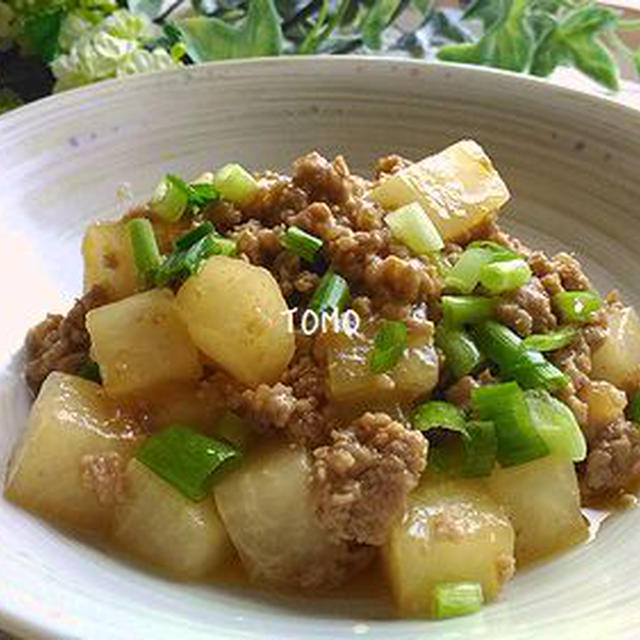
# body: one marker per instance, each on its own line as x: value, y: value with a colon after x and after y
x: 277, y: 199
x: 317, y: 219
x: 613, y: 461
x: 276, y: 407
x: 397, y: 280
x: 323, y: 180
x: 459, y: 393
x: 570, y: 273
x: 575, y: 361
x: 388, y: 165
x: 60, y: 343
x: 260, y: 245
x: 224, y: 215
x: 352, y: 252
x: 103, y: 473
x: 527, y: 309
x: 360, y: 481
x: 288, y: 270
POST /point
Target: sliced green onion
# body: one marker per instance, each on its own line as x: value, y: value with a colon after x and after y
x: 557, y: 425
x: 551, y: 341
x: 186, y: 459
x: 504, y: 404
x: 460, y: 351
x: 526, y: 366
x: 465, y: 273
x: 480, y: 448
x: 388, y: 346
x: 498, y: 252
x: 236, y: 184
x: 181, y: 264
x: 499, y: 277
x: 331, y: 294
x: 170, y: 199
x: 459, y: 310
x: 301, y: 243
x: 438, y: 414
x: 413, y: 227
x: 201, y: 194
x: 193, y: 235
x: 634, y: 408
x: 90, y: 370
x: 234, y: 429
x: 478, y: 439
x: 577, y: 306
x: 145, y: 248
x: 451, y: 599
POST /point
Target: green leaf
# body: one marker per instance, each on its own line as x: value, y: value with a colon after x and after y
x: 636, y: 60
x: 489, y: 12
x: 574, y: 40
x: 259, y: 34
x: 376, y: 21
x: 150, y: 8
x: 42, y: 33
x: 508, y: 44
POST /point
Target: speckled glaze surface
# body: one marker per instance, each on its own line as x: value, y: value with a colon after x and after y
x: 572, y: 163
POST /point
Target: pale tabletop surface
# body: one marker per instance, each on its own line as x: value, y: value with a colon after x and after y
x: 628, y: 95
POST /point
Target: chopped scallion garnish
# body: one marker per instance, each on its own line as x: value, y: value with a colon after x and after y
x: 634, y: 408
x: 577, y: 306
x: 412, y: 226
x: 302, y: 243
x: 170, y: 199
x: 465, y: 273
x: 451, y: 599
x: 193, y: 235
x: 480, y: 448
x: 235, y: 183
x: 478, y: 439
x: 173, y: 196
x: 526, y: 366
x: 438, y: 414
x: 186, y: 459
x: 331, y: 294
x: 499, y: 277
x: 459, y: 310
x: 143, y: 243
x: 388, y: 346
x: 551, y: 341
x: 460, y: 351
x: 183, y: 263
x: 504, y: 404
x: 90, y: 370
x: 557, y: 425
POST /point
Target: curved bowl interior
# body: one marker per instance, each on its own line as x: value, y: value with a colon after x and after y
x: 572, y: 163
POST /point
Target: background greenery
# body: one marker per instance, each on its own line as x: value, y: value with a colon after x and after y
x: 54, y: 45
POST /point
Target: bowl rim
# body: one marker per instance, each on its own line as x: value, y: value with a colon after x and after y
x: 13, y: 617
x: 534, y: 83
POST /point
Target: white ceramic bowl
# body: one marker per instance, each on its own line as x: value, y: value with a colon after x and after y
x: 573, y: 164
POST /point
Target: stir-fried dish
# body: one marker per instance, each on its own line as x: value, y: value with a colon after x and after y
x: 305, y: 375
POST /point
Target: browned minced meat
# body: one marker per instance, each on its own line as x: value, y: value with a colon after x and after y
x: 613, y: 462
x: 575, y: 361
x: 323, y: 180
x: 360, y: 481
x: 60, y: 343
x: 388, y: 165
x: 459, y: 393
x: 527, y: 309
x: 103, y: 473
